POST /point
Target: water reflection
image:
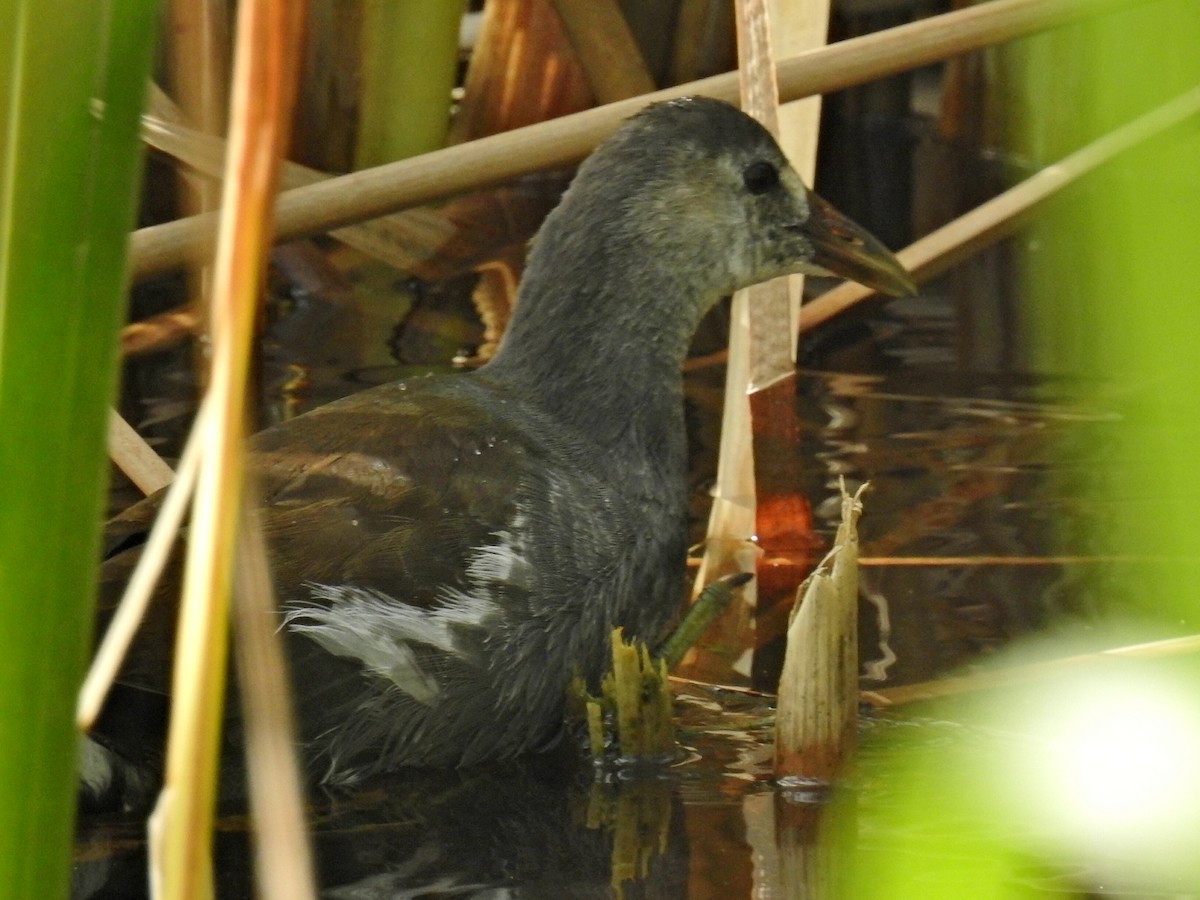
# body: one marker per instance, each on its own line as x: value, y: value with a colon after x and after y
x: 974, y: 533
x: 939, y: 805
x: 541, y: 828
x: 534, y: 829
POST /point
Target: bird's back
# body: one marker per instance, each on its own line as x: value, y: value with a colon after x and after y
x: 442, y: 580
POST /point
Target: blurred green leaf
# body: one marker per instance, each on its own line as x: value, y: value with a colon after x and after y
x: 74, y: 75
x: 1041, y: 790
x: 1114, y: 279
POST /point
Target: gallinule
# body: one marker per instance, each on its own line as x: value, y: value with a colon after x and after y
x: 449, y: 550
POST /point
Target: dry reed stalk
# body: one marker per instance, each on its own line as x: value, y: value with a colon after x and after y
x: 769, y: 305
x: 761, y: 342
x: 136, y: 598
x: 727, y: 545
x: 135, y: 457
x: 159, y: 332
x: 407, y: 240
x: 523, y: 71
x: 197, y: 49
x: 434, y: 176
x: 268, y: 34
x: 607, y: 52
x: 1024, y: 674
x: 283, y: 863
x: 888, y: 561
x: 817, y: 713
x: 198, y: 61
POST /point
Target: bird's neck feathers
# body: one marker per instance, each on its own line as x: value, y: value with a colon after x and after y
x: 611, y: 297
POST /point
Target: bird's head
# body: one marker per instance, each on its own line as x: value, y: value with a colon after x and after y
x: 687, y: 201
x: 704, y: 182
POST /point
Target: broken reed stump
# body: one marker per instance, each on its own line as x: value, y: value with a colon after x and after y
x: 631, y: 719
x: 815, y: 725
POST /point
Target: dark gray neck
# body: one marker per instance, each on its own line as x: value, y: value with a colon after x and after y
x: 601, y: 330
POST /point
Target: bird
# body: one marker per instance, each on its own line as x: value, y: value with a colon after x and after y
x: 448, y: 551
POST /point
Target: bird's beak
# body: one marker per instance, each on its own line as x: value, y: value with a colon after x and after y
x: 847, y: 249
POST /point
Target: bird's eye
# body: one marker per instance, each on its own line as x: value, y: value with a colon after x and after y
x: 759, y: 177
